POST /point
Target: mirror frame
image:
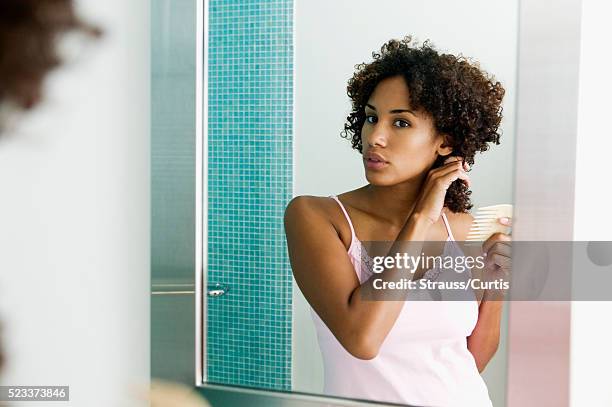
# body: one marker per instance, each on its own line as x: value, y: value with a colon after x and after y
x: 546, y: 113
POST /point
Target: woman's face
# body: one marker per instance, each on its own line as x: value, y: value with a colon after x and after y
x: 399, y: 143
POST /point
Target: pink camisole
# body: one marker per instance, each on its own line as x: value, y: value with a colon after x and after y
x: 424, y: 360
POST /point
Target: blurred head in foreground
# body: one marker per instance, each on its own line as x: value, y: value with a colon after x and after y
x: 30, y: 31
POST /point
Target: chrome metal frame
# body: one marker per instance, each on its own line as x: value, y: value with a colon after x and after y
x: 201, y: 189
x: 294, y: 396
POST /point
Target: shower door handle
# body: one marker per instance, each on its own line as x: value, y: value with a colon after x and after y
x: 217, y: 290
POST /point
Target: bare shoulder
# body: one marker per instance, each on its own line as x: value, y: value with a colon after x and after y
x: 305, y: 205
x: 315, y: 210
x: 318, y: 212
x: 460, y: 223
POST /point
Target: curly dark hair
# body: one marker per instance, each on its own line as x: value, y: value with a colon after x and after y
x: 29, y: 31
x: 463, y: 100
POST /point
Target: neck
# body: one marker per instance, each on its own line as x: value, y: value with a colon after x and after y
x: 394, y: 203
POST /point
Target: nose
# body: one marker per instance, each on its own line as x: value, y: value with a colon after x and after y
x: 377, y: 136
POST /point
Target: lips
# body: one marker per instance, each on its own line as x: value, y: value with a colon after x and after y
x: 375, y: 157
x: 375, y: 161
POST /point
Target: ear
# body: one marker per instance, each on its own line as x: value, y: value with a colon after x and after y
x: 445, y: 145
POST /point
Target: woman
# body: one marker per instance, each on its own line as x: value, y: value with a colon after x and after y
x: 418, y: 118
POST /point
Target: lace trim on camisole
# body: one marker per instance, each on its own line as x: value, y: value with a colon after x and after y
x: 367, y: 263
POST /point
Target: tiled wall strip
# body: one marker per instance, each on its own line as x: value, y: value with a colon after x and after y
x: 250, y: 135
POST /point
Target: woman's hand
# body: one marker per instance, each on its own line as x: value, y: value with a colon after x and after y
x: 431, y: 200
x: 498, y: 261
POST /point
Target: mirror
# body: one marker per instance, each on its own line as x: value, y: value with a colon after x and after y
x: 275, y: 105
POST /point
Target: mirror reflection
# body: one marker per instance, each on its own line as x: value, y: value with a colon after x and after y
x: 332, y: 124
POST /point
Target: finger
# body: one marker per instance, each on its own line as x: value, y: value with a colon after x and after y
x: 495, y: 238
x: 449, y: 160
x: 500, y: 248
x: 505, y: 221
x: 452, y: 159
x: 497, y: 259
x: 452, y: 175
x: 445, y: 169
x: 466, y: 166
x: 449, y: 168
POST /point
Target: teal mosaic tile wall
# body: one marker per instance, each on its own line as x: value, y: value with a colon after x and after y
x: 250, y: 182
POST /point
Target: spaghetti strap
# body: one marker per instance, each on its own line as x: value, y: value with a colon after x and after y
x: 447, y: 225
x: 353, y: 236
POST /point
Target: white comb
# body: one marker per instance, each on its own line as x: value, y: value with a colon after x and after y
x: 485, y: 222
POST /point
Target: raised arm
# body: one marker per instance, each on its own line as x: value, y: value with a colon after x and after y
x: 326, y: 277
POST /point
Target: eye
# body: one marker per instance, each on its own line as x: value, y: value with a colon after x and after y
x: 371, y: 119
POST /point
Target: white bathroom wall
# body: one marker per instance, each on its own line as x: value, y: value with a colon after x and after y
x: 591, y: 332
x: 331, y: 38
x: 74, y: 216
